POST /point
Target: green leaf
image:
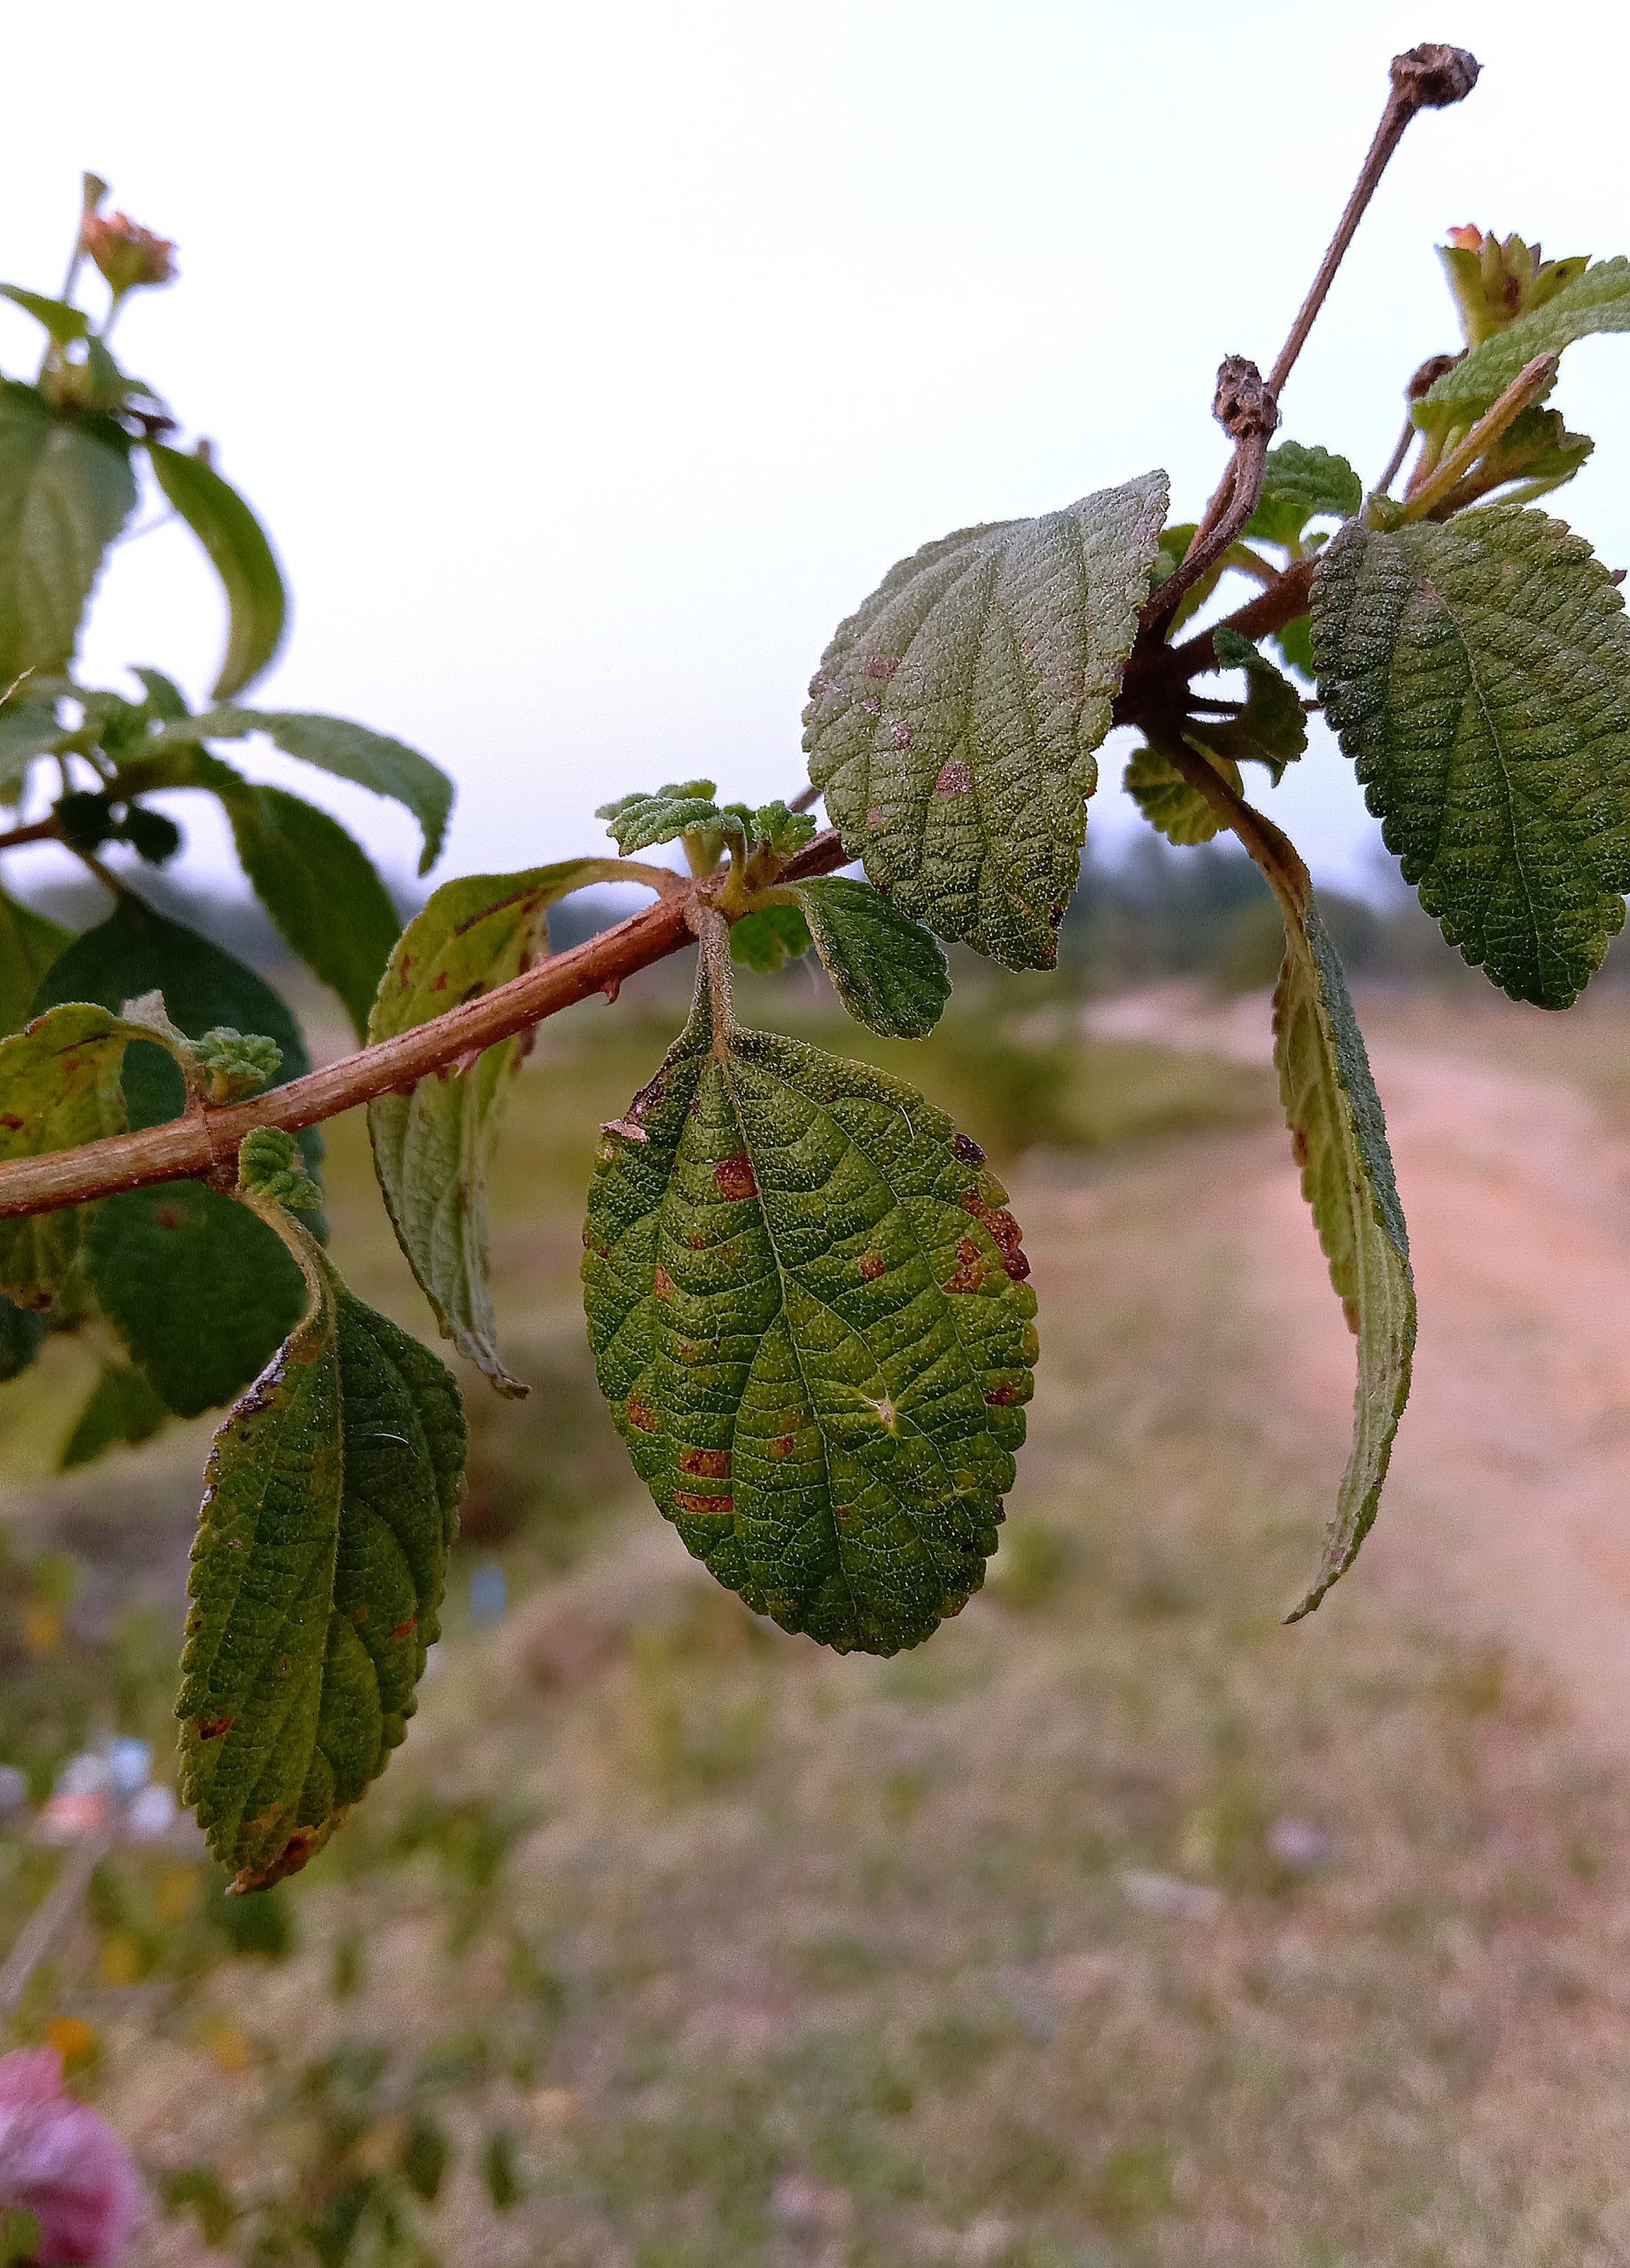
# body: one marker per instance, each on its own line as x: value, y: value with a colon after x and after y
x: 28, y: 728
x: 59, y: 1087
x: 1598, y: 300
x: 1338, y: 1139
x: 22, y: 1334
x: 66, y: 491
x: 805, y: 1298
x: 1295, y: 642
x: 767, y: 939
x: 1273, y: 729
x: 332, y: 744
x: 64, y: 322
x: 29, y: 943
x: 165, y: 698
x: 1339, y: 1135
x: 256, y: 604
x: 431, y: 1147
x: 217, y: 1255
x: 1174, y: 809
x: 637, y: 821
x: 137, y: 951
x: 951, y: 723
x: 122, y: 1413
x: 1301, y: 484
x: 1478, y: 672
x: 331, y: 1500
x: 887, y: 969
x: 202, y: 1293
x: 321, y: 888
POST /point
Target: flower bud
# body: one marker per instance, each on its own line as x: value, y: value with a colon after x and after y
x: 128, y: 255
x: 1494, y: 282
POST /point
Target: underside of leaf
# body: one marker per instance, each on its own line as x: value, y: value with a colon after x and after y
x: 432, y: 1147
x: 807, y: 1303
x: 952, y: 721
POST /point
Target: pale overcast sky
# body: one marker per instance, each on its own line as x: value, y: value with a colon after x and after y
x: 588, y: 363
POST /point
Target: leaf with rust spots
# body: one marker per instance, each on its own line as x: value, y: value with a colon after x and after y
x: 799, y: 1336
x: 433, y: 1146
x: 961, y: 775
x: 317, y: 1575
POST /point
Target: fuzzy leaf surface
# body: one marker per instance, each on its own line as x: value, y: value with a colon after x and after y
x: 806, y: 1301
x: 433, y: 1148
x: 122, y: 1411
x: 1273, y: 729
x: 1302, y: 482
x: 256, y: 604
x: 29, y: 943
x: 887, y: 970
x: 952, y: 721
x: 1478, y: 672
x: 1598, y: 300
x: 59, y: 1086
x: 1338, y: 1136
x: 66, y: 491
x: 1174, y: 809
x: 331, y: 1500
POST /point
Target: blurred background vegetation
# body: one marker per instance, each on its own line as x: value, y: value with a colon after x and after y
x: 1118, y: 1926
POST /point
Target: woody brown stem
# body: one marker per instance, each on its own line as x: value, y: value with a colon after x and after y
x: 196, y: 1145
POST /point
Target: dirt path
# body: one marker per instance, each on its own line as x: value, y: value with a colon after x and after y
x: 1508, y: 1511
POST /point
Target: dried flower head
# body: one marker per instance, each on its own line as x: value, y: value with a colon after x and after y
x: 128, y: 255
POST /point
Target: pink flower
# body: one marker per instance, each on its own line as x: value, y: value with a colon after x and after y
x: 61, y: 2161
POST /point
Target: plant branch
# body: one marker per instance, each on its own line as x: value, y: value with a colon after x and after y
x: 37, y: 830
x: 1533, y: 379
x: 1246, y: 409
x: 205, y: 1142
x: 1425, y: 78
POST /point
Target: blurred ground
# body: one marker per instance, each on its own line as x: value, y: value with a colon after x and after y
x: 1120, y: 1927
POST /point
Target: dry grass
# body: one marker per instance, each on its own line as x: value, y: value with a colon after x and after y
x: 1117, y: 1925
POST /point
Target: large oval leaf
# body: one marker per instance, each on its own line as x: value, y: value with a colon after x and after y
x: 432, y: 1147
x: 952, y: 720
x: 1478, y: 672
x: 806, y: 1301
x: 317, y: 1576
x: 66, y: 491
